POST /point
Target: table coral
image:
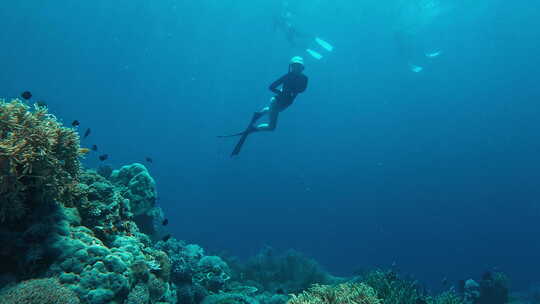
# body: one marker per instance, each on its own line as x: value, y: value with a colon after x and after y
x: 39, y: 159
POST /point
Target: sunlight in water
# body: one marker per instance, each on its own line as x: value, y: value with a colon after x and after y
x: 417, y: 14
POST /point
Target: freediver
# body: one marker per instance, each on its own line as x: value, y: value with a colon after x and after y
x: 283, y: 21
x: 292, y: 84
x: 299, y: 40
x: 408, y: 50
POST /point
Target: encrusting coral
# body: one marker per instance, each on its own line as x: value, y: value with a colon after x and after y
x: 38, y: 291
x: 39, y: 159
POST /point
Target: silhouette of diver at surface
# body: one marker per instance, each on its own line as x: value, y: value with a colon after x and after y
x: 411, y: 51
x: 299, y: 40
x: 284, y: 23
x: 292, y: 84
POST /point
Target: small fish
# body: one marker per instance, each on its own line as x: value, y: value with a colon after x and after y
x: 280, y: 291
x: 75, y: 123
x: 84, y: 150
x: 41, y: 104
x: 94, y: 148
x: 165, y: 222
x: 166, y: 238
x: 87, y: 132
x: 149, y: 159
x: 26, y: 95
x: 103, y: 157
x: 444, y: 281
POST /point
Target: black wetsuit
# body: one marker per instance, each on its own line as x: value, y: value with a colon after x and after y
x: 293, y: 84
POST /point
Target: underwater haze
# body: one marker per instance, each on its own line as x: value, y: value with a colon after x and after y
x: 415, y: 144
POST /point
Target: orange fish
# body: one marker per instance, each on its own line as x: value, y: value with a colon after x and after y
x: 84, y: 150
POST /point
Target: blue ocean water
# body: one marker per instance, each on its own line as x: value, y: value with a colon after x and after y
x: 436, y: 172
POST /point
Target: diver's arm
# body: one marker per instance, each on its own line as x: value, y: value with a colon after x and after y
x: 277, y: 83
x: 304, y: 85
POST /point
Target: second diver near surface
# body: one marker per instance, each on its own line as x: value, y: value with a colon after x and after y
x: 292, y: 84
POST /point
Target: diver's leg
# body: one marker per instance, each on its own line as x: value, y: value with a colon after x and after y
x: 272, y: 120
x: 263, y: 111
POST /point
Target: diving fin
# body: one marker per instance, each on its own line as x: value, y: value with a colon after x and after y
x: 245, y: 134
x: 314, y: 54
x: 415, y: 68
x: 325, y: 45
x: 433, y: 54
x: 231, y: 135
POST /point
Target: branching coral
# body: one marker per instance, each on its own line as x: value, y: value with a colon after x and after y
x: 392, y: 289
x: 290, y: 271
x: 447, y: 297
x: 354, y: 293
x: 39, y: 159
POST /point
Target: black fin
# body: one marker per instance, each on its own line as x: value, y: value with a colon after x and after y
x: 232, y: 135
x: 245, y: 134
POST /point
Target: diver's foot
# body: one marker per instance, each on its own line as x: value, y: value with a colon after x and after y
x: 256, y: 116
x: 251, y: 129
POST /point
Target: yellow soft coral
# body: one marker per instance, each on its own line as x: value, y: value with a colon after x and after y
x: 39, y: 159
x: 346, y: 293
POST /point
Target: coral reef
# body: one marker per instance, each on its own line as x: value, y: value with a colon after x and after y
x: 105, y: 257
x: 74, y: 236
x: 392, y: 288
x: 38, y: 291
x: 471, y: 291
x: 359, y: 293
x: 229, y: 298
x: 534, y: 294
x: 291, y: 272
x: 447, y: 297
x: 73, y: 225
x: 137, y: 185
x: 195, y: 273
x: 492, y: 289
x: 39, y: 160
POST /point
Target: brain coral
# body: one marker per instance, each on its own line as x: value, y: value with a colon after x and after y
x: 39, y: 159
